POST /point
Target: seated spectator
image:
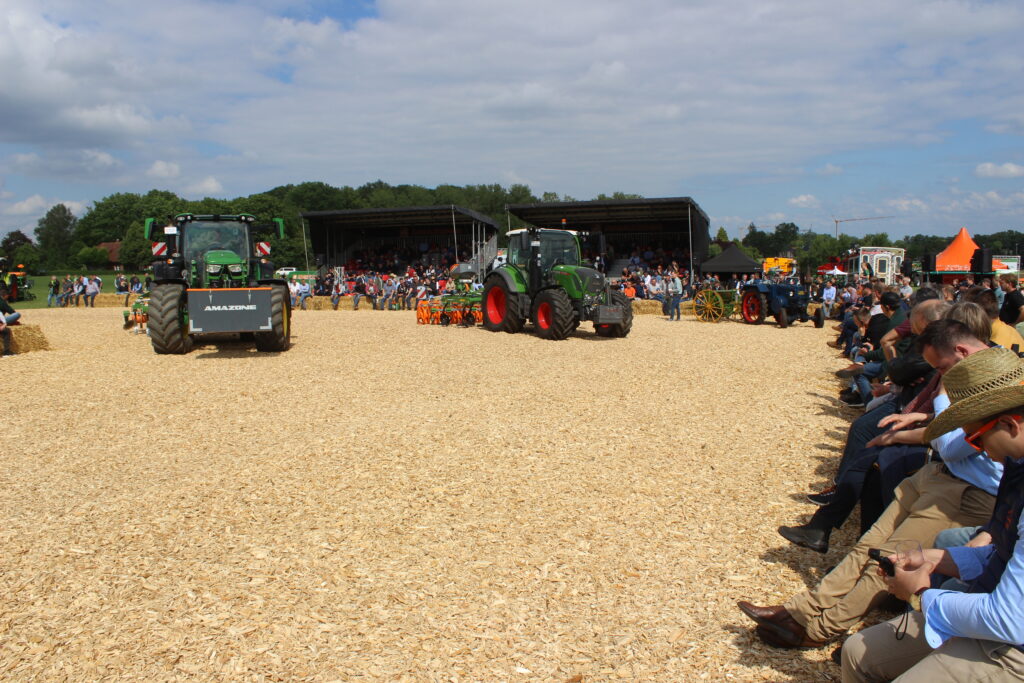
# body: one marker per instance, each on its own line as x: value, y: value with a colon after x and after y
x: 92, y: 288
x: 977, y: 635
x: 303, y: 294
x: 1002, y: 334
x: 337, y: 291
x: 9, y: 317
x: 958, y: 490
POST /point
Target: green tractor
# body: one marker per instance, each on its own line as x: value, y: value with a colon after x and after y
x: 543, y: 280
x: 212, y: 276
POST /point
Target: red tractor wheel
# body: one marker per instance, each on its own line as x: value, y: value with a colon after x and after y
x: 501, y: 307
x: 753, y: 306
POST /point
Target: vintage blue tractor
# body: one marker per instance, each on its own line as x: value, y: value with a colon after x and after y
x: 787, y: 302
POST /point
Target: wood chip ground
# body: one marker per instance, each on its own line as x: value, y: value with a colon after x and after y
x: 388, y: 501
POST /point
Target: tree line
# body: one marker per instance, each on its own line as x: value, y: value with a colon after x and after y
x: 64, y: 241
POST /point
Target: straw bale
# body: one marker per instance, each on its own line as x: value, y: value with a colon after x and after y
x: 114, y: 300
x: 389, y: 501
x: 26, y: 338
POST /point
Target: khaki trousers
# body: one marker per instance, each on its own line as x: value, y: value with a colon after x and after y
x: 925, y: 504
x: 874, y: 654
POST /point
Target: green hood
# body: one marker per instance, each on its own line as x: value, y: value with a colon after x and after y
x: 222, y: 257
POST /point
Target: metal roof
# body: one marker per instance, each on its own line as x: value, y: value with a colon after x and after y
x: 585, y: 215
x: 410, y: 216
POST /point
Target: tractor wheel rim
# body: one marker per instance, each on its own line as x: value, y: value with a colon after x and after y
x: 751, y: 307
x: 496, y: 305
x: 544, y: 315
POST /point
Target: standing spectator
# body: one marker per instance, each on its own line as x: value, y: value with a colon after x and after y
x: 53, y: 292
x: 1012, y: 310
x: 674, y: 288
x: 293, y: 290
x: 828, y: 298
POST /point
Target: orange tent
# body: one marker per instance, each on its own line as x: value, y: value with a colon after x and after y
x: 956, y: 258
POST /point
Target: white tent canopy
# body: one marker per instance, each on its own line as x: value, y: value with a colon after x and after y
x: 835, y: 271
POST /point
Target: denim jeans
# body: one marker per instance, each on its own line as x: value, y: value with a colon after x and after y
x: 673, y: 307
x: 335, y: 298
x: 51, y: 299
x: 302, y: 300
x: 863, y: 380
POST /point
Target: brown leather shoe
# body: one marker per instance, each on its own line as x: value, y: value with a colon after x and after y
x: 788, y: 636
x: 764, y: 615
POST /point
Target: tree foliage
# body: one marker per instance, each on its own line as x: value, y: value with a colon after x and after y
x: 11, y: 241
x: 721, y: 235
x: 92, y: 258
x: 28, y: 255
x: 54, y: 235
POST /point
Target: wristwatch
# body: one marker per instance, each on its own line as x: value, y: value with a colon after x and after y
x: 915, y: 600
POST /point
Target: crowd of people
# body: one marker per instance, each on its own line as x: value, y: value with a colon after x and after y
x: 934, y: 463
x: 380, y: 290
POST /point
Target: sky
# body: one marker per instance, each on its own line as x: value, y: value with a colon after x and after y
x: 763, y: 111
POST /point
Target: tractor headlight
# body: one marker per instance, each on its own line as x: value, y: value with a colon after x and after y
x: 213, y: 269
x: 235, y: 269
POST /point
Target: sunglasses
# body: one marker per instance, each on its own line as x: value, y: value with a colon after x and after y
x: 974, y: 439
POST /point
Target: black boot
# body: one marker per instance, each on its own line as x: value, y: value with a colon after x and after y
x: 807, y: 536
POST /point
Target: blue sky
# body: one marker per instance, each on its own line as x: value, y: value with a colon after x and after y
x: 762, y: 111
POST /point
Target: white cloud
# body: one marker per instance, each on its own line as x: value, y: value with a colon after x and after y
x: 206, y: 187
x: 34, y: 204
x: 906, y: 204
x: 830, y: 169
x: 805, y: 201
x: 1007, y: 170
x: 775, y: 217
x: 165, y: 170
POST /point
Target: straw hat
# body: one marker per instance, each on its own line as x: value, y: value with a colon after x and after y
x: 983, y: 384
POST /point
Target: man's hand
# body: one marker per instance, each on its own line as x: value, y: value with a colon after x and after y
x: 983, y: 539
x: 909, y: 579
x: 3, y: 324
x: 881, y: 389
x: 905, y: 436
x: 901, y: 421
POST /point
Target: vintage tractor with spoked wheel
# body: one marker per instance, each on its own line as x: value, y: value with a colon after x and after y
x: 785, y: 302
x: 213, y: 276
x: 544, y: 280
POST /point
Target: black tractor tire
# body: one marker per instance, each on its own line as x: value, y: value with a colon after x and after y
x: 819, y: 318
x: 782, y: 317
x: 619, y: 329
x: 279, y: 338
x: 501, y: 307
x: 168, y: 331
x: 552, y: 314
x: 753, y: 307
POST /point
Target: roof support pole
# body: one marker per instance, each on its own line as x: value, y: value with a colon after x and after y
x: 689, y: 230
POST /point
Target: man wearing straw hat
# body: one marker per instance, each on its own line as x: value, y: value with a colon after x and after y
x: 958, y: 490
x: 977, y: 635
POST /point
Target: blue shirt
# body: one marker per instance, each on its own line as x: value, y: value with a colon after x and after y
x: 998, y: 615
x: 962, y: 460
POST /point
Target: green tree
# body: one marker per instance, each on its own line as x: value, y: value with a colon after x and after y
x: 54, y: 234
x: 758, y: 240
x: 877, y: 239
x: 785, y: 239
x: 108, y: 219
x: 136, y: 251
x: 93, y: 258
x: 721, y: 235
x: 29, y: 256
x: 12, y: 240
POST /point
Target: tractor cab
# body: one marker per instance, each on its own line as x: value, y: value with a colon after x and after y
x: 216, y: 252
